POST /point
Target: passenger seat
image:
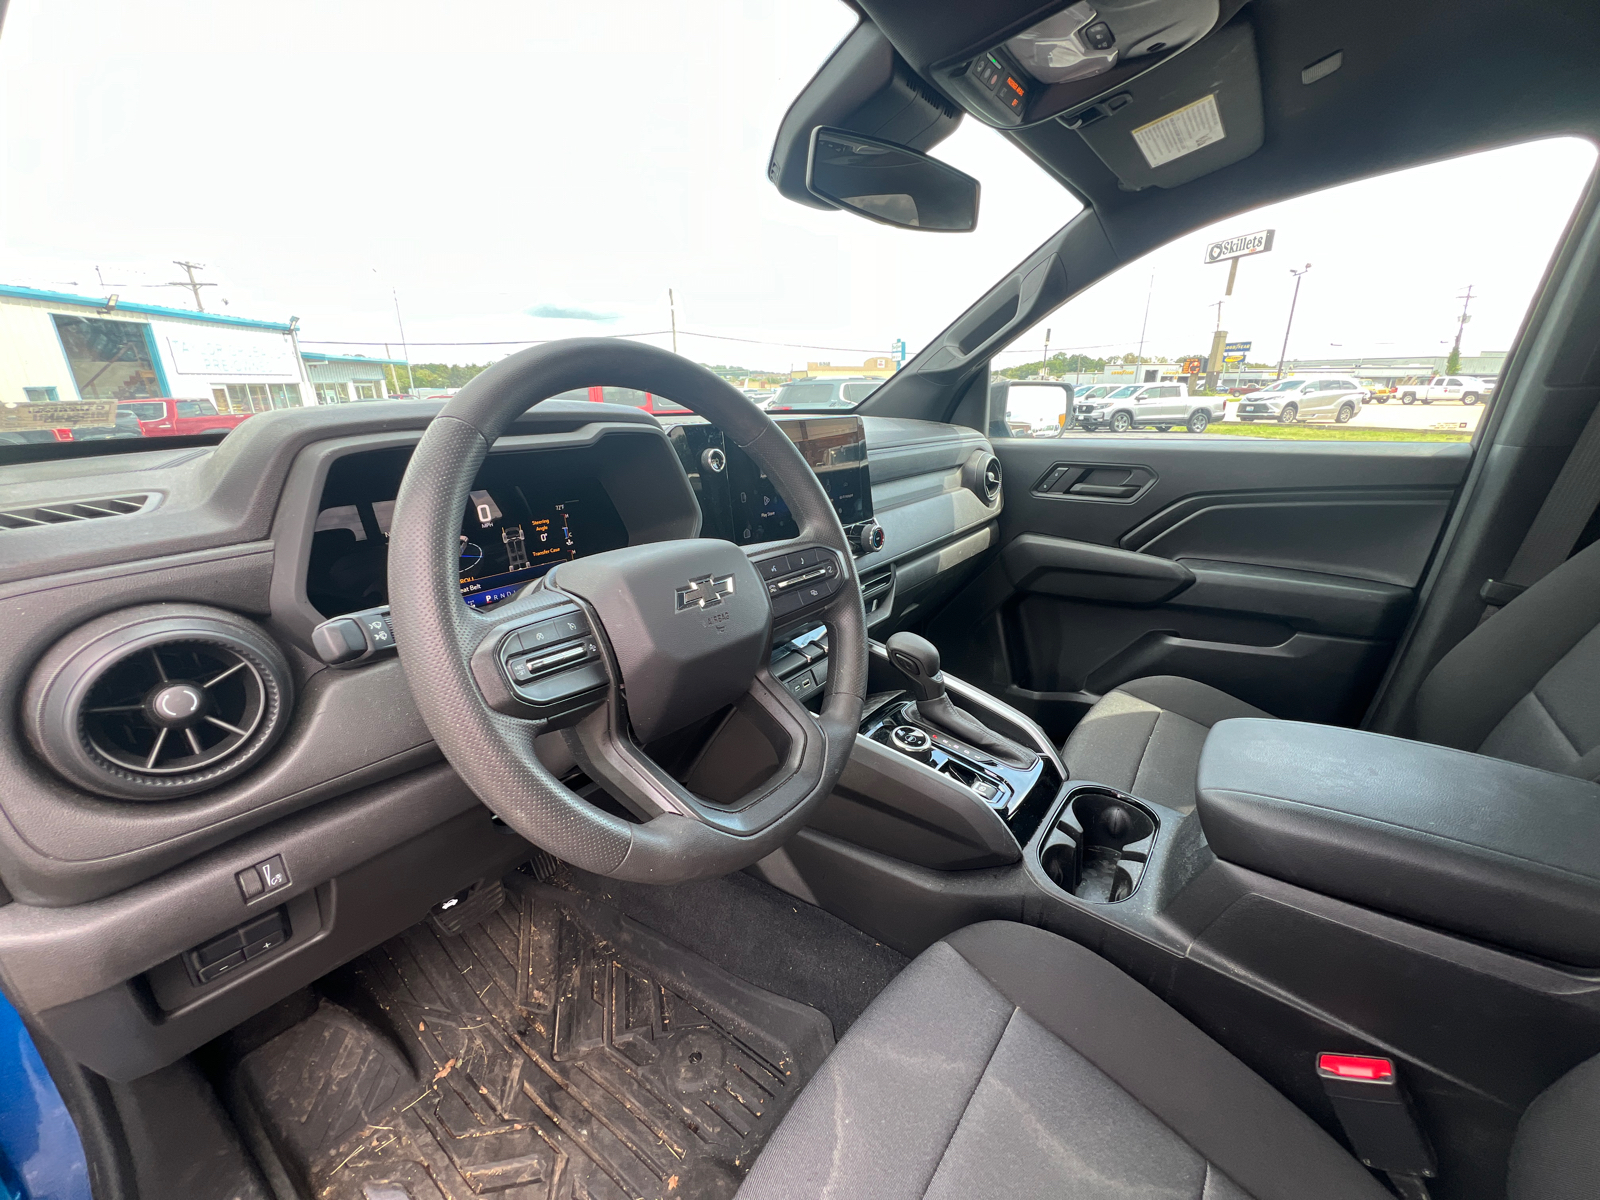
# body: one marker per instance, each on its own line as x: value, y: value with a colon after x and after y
x: 1520, y: 687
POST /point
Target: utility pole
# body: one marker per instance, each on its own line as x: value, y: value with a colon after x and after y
x: 672, y: 305
x: 1044, y: 371
x: 193, y: 284
x: 1138, y: 375
x: 411, y: 384
x: 1461, y: 324
x: 1282, y: 354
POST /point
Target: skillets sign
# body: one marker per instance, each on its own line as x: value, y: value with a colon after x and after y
x: 1240, y: 247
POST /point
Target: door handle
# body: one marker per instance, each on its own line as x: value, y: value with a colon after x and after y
x: 1114, y: 491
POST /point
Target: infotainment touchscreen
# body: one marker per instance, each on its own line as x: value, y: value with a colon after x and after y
x: 741, y: 504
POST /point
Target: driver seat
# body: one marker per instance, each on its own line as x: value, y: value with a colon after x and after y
x: 1008, y: 1061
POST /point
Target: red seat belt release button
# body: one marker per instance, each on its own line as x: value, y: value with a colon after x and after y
x: 1376, y: 1113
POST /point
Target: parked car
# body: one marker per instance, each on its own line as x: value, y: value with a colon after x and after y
x: 1468, y: 389
x: 822, y: 393
x: 169, y: 417
x: 1335, y: 398
x: 1161, y: 406
x: 32, y: 437
x: 1039, y: 409
x: 126, y: 426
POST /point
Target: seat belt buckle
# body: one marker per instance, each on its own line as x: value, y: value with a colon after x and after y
x: 1376, y: 1114
x: 1499, y: 593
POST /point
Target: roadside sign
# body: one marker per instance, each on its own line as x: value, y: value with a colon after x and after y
x: 56, y: 414
x: 1237, y: 347
x: 1240, y: 247
x: 1192, y: 366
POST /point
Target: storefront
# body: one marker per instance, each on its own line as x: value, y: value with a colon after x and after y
x: 57, y: 346
x: 348, y: 378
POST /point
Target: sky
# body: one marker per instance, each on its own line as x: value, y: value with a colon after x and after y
x: 530, y: 170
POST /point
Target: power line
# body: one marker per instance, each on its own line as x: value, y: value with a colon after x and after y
x: 719, y: 337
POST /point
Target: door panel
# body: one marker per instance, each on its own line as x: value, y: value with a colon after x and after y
x: 1281, y: 572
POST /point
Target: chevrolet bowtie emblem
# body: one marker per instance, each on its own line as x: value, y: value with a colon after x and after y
x: 706, y: 592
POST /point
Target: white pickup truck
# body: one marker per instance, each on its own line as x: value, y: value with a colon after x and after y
x: 1466, y: 388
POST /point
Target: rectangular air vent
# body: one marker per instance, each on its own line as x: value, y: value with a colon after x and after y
x: 72, y: 510
x: 875, y: 585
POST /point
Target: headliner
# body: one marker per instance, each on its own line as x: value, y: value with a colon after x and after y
x: 1421, y: 80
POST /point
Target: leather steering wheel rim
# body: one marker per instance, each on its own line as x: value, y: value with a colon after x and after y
x: 437, y: 633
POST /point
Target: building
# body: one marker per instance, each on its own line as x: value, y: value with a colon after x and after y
x: 347, y: 378
x: 57, y: 346
x: 880, y: 367
x: 1486, y: 365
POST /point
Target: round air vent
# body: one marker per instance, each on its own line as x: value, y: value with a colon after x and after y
x: 981, y: 475
x: 159, y: 701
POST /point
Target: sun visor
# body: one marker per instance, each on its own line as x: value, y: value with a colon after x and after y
x: 865, y: 87
x: 1197, y: 112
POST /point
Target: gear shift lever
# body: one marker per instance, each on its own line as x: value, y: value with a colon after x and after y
x: 918, y: 661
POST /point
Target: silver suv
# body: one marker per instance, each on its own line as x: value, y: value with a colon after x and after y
x: 1162, y: 406
x: 1301, y: 398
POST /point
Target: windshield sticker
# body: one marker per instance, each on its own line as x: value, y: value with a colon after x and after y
x: 1182, y: 132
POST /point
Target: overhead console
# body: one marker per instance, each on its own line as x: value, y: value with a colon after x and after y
x: 1074, y: 56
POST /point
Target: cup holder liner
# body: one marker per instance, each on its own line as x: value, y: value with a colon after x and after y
x: 1098, y: 844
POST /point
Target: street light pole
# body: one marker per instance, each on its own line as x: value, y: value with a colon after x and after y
x: 1138, y: 374
x: 1284, y: 353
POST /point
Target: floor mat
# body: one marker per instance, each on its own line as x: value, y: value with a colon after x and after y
x: 555, y: 1049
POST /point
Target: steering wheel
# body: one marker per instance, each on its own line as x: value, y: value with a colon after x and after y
x: 645, y: 640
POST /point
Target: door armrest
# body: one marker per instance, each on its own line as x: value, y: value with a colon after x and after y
x: 1494, y: 850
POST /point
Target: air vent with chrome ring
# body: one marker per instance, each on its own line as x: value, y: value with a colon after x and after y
x: 159, y: 701
x: 980, y: 474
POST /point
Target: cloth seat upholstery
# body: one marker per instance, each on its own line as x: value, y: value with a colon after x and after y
x: 1008, y: 1061
x: 1519, y: 687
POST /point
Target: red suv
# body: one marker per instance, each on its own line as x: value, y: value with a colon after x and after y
x: 178, y: 418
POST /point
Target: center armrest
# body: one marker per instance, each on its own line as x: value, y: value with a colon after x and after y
x: 1483, y: 847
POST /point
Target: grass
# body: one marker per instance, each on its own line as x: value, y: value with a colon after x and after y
x: 1337, y: 433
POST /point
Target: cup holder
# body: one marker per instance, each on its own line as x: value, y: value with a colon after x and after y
x: 1098, y: 845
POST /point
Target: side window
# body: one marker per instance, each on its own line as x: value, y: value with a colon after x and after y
x: 1321, y: 302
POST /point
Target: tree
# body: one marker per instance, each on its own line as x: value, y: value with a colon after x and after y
x: 1452, y: 365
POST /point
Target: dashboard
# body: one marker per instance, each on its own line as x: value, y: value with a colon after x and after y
x: 529, y: 510
x: 329, y: 785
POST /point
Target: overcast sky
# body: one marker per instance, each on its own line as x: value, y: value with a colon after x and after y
x: 527, y: 169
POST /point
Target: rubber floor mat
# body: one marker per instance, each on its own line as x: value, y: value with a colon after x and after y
x: 555, y: 1049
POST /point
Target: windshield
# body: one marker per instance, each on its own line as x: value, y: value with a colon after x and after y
x: 1284, y: 385
x: 1122, y: 393
x: 370, y: 201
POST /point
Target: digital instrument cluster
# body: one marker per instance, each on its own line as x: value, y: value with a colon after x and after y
x: 525, y: 513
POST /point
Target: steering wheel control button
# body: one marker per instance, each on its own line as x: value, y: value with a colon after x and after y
x: 802, y: 578
x: 908, y: 739
x: 554, y: 630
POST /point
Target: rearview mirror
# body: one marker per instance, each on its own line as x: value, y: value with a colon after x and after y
x: 893, y: 184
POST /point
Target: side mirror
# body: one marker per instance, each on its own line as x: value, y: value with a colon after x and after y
x: 890, y: 183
